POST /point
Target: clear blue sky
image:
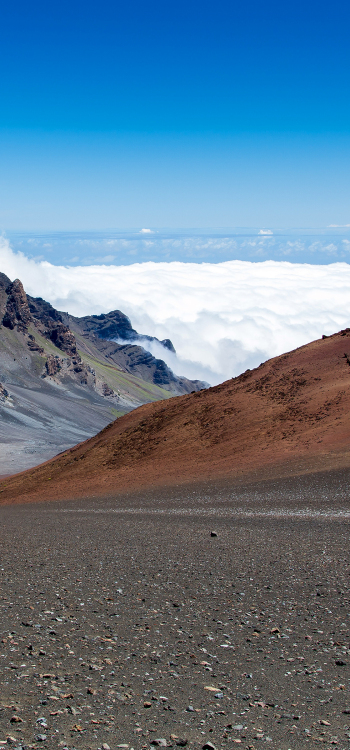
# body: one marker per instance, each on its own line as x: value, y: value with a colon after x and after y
x: 131, y: 114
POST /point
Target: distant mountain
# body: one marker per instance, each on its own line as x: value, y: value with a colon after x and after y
x: 287, y: 417
x: 62, y: 379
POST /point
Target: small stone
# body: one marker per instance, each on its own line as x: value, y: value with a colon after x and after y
x: 238, y: 727
x: 218, y: 695
x: 213, y: 533
x: 181, y: 742
x: 105, y: 746
x: 190, y: 708
x: 340, y: 663
x: 208, y: 746
x: 146, y: 704
x: 72, y: 710
x: 161, y: 742
x: 325, y: 723
x: 40, y: 737
x: 15, y: 719
x: 76, y: 728
x: 11, y: 740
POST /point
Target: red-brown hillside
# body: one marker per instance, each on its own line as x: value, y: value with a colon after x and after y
x: 290, y: 415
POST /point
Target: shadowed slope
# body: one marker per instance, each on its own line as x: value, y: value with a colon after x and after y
x: 290, y: 415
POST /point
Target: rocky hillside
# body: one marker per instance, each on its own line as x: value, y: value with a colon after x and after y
x: 289, y: 416
x: 61, y: 379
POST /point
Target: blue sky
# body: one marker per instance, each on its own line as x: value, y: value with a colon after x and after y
x: 186, y: 114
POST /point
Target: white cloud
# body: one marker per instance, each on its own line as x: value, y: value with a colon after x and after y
x: 266, y: 231
x: 146, y: 231
x: 339, y: 226
x: 222, y: 318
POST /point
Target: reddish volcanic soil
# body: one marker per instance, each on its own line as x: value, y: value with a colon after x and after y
x: 289, y: 416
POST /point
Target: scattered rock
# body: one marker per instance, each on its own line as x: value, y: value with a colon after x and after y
x: 161, y: 742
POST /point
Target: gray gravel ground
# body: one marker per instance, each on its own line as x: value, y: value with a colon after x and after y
x: 124, y: 623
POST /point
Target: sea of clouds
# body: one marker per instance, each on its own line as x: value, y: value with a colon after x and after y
x: 221, y: 317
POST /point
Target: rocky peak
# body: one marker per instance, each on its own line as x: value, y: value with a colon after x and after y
x: 112, y: 325
x: 43, y: 311
x: 17, y: 313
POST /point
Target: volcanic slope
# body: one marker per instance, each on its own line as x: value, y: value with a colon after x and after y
x: 289, y: 416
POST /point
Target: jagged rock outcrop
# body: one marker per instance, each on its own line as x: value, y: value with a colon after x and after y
x: 17, y: 314
x: 63, y: 338
x: 52, y: 365
x: 106, y: 390
x: 51, y: 325
x: 33, y: 345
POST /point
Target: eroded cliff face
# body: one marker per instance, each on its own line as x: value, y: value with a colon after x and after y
x: 50, y: 324
x: 17, y: 313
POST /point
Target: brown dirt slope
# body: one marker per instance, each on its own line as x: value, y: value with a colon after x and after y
x: 289, y: 416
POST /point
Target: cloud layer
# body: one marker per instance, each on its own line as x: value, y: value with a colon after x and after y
x: 190, y: 246
x: 222, y: 318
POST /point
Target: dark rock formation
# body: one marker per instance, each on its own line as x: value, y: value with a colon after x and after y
x: 106, y: 390
x: 51, y: 325
x: 33, y: 345
x: 17, y: 314
x: 113, y: 325
x: 43, y: 311
x: 4, y: 281
x: 168, y: 345
x: 53, y: 365
x: 63, y: 338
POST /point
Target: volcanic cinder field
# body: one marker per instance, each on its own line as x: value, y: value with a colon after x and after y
x: 206, y: 602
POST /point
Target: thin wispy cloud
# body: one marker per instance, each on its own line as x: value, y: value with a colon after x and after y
x: 222, y: 318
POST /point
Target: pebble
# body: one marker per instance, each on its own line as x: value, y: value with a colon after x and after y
x: 161, y: 742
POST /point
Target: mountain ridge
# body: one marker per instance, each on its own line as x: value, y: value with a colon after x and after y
x: 60, y: 384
